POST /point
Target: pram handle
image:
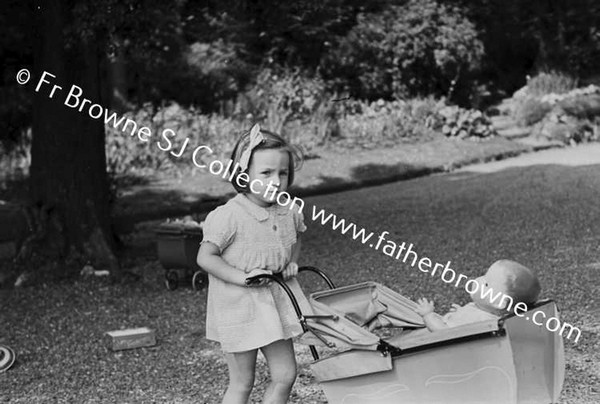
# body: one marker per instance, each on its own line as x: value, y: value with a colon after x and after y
x: 317, y: 271
x: 256, y: 279
x: 301, y: 318
x: 279, y: 279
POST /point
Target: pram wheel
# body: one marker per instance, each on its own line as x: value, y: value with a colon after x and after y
x: 199, y: 280
x: 171, y: 280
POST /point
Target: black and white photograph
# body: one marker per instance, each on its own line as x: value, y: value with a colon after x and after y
x: 310, y: 202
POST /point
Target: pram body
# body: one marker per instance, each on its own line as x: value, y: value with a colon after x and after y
x: 511, y: 360
x: 177, y: 245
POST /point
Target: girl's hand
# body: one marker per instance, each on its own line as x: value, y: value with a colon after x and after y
x: 424, y: 307
x: 454, y: 307
x: 257, y: 271
x: 290, y: 271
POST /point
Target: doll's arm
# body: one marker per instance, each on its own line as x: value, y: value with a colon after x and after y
x: 209, y: 258
x: 432, y: 320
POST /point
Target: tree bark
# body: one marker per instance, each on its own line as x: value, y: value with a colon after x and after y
x: 68, y: 181
x: 117, y: 83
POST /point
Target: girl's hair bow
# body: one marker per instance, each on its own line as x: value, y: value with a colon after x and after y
x: 256, y: 138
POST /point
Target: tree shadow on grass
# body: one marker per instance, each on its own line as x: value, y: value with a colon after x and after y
x: 365, y: 175
x: 129, y: 180
x: 153, y: 204
x: 156, y: 204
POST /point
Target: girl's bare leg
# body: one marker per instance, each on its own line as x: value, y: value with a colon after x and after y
x: 241, y: 376
x: 282, y: 367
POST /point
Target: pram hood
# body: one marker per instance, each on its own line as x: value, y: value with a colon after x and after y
x: 354, y: 312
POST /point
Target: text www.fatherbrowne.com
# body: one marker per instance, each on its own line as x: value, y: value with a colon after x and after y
x: 402, y: 252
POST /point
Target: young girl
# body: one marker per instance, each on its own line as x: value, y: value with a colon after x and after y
x: 252, y: 234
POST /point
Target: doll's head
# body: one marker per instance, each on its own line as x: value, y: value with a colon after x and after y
x: 508, y: 281
x: 260, y: 158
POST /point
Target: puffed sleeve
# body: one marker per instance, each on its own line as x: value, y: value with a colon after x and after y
x: 219, y: 227
x: 298, y: 219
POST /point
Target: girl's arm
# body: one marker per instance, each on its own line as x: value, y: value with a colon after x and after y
x: 291, y: 269
x: 209, y: 258
x: 296, y: 249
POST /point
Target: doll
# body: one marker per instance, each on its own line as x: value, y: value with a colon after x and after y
x: 505, y: 284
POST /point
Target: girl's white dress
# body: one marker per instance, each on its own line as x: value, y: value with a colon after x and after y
x: 249, y: 236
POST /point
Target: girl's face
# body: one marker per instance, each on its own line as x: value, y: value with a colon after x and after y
x: 269, y: 174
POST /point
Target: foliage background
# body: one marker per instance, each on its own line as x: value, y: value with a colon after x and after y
x: 225, y: 64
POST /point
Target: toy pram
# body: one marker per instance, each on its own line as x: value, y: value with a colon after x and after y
x: 511, y: 360
x: 178, y: 245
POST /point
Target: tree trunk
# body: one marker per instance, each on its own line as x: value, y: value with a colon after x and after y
x: 117, y: 77
x: 68, y: 181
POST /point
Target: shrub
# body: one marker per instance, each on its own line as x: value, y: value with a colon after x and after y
x: 281, y: 96
x: 383, y: 123
x: 582, y: 106
x: 420, y: 47
x: 531, y: 110
x: 583, y: 103
x: 464, y: 123
x: 550, y: 83
x: 209, y: 74
x: 127, y: 155
x: 569, y: 117
x: 568, y: 129
x: 16, y: 159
